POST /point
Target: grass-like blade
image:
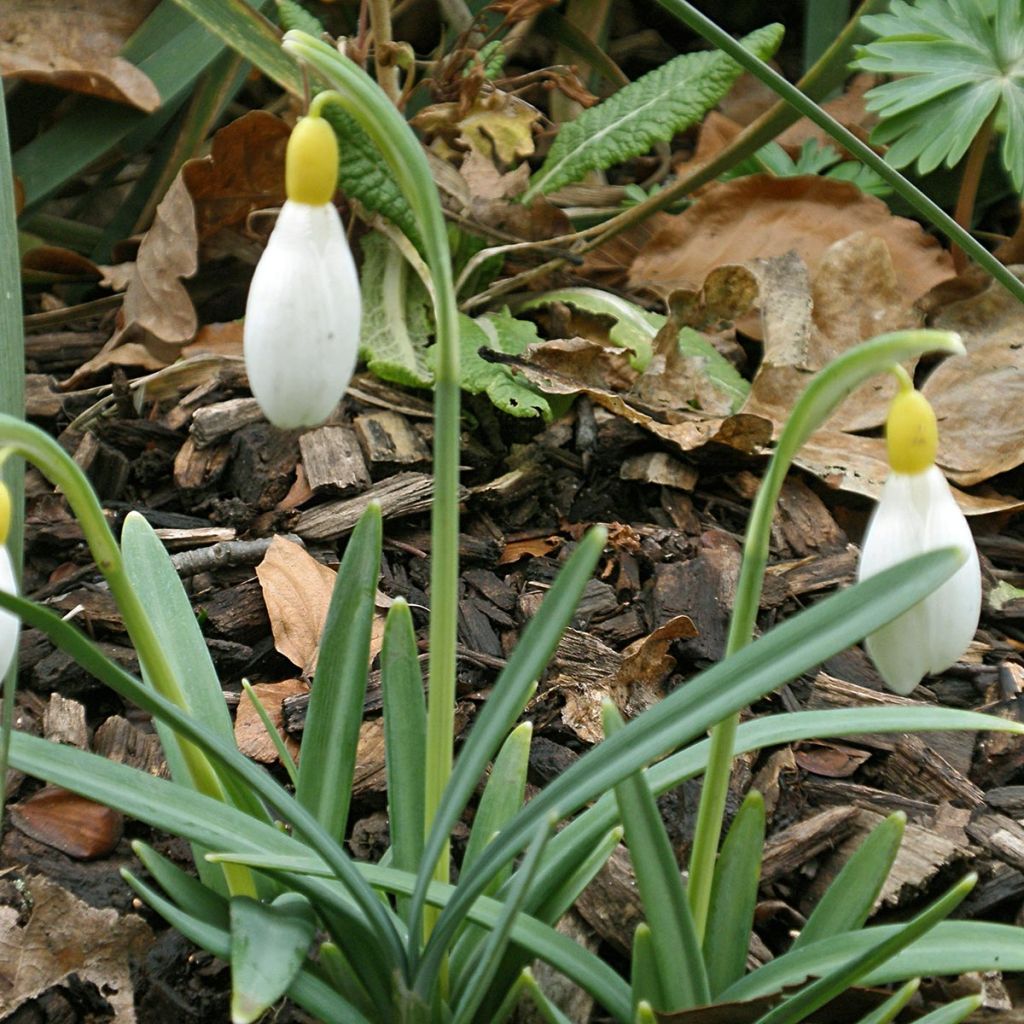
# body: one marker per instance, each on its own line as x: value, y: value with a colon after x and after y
x: 188, y: 893
x: 890, y: 1009
x: 818, y: 993
x: 850, y: 899
x: 682, y: 980
x: 784, y: 653
x: 644, y: 977
x: 734, y: 896
x: 954, y: 1012
x: 335, y: 712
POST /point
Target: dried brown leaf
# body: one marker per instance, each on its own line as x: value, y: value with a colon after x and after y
x: 68, y: 822
x: 64, y: 935
x: 250, y: 734
x: 760, y: 216
x: 75, y: 46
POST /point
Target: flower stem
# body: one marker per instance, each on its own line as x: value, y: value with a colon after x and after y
x: 964, y: 212
x: 815, y: 405
x: 361, y: 98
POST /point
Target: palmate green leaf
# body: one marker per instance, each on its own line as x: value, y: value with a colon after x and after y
x: 955, y: 65
x: 397, y: 323
x: 651, y: 109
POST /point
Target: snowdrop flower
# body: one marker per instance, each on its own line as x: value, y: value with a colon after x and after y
x: 917, y: 513
x: 301, y: 336
x: 10, y: 624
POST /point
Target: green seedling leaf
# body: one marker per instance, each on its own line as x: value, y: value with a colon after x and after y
x: 269, y: 943
x: 644, y: 978
x: 956, y: 63
x: 734, y: 896
x: 890, y: 1009
x: 850, y: 898
x: 191, y: 895
x: 651, y: 109
x: 343, y: 976
x: 954, y: 1013
x: 678, y: 963
x: 502, y: 333
x: 397, y: 323
x: 335, y: 712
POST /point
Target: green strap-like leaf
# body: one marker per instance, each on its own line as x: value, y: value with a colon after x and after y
x: 649, y: 110
x: 682, y: 980
x: 890, y: 1009
x: 328, y: 757
x: 269, y: 943
x: 734, y: 896
x: 850, y: 899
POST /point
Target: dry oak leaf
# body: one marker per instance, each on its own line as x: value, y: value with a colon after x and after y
x: 760, y: 216
x: 297, y: 591
x: 979, y: 398
x: 250, y: 733
x: 71, y: 45
x: 64, y: 935
x: 244, y: 172
x: 78, y: 827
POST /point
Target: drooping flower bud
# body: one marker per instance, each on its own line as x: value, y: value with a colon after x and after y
x: 302, y: 318
x: 917, y: 514
x: 10, y: 624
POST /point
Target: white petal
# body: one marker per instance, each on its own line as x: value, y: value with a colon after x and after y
x: 917, y: 513
x: 302, y: 318
x: 10, y: 624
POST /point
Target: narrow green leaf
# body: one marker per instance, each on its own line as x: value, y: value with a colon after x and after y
x: 645, y: 978
x: 191, y: 895
x: 335, y: 712
x: 734, y: 896
x: 890, y: 1009
x: 954, y: 1012
x: 850, y: 899
x: 682, y: 980
x: 788, y: 650
x: 293, y: 15
x: 342, y: 975
x: 308, y: 990
x: 503, y: 796
x: 269, y: 943
x: 405, y: 731
x: 550, y: 1013
x: 651, y: 109
x: 818, y: 993
x: 284, y: 755
x: 471, y: 994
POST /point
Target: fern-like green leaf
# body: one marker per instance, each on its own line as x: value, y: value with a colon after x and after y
x: 396, y: 324
x: 363, y: 175
x: 651, y: 109
x: 957, y: 63
x: 291, y: 14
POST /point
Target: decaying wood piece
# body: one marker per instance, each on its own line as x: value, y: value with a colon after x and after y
x: 840, y: 793
x: 262, y: 465
x: 118, y: 740
x: 789, y: 849
x: 804, y: 524
x: 573, y: 1001
x: 64, y: 722
x: 399, y: 495
x: 175, y: 538
x: 389, y: 440
x: 42, y: 400
x: 659, y: 468
x: 106, y: 467
x: 238, y: 612
x: 611, y: 903
x: 196, y: 467
x: 1001, y: 836
x: 211, y: 423
x: 224, y: 554
x: 333, y: 460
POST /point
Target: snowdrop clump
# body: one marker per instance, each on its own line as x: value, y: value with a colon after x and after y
x: 916, y: 514
x: 301, y: 336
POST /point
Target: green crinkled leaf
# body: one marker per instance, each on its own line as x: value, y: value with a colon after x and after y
x: 651, y: 109
x: 363, y: 175
x: 955, y: 63
x: 292, y: 15
x: 397, y: 324
x: 503, y: 333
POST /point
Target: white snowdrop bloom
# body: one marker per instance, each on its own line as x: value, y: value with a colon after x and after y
x: 302, y: 318
x: 10, y: 624
x: 916, y: 514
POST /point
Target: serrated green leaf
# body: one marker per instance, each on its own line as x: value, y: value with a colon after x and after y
x: 651, y: 109
x: 955, y: 64
x: 363, y: 174
x: 397, y: 324
x: 293, y: 15
x: 503, y: 333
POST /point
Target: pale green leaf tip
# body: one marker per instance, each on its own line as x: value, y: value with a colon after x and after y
x: 523, y: 729
x: 244, y: 1010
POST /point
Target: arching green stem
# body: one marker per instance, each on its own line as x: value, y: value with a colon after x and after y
x: 816, y: 404
x: 360, y: 97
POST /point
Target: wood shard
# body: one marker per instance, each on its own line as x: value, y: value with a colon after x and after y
x: 333, y: 460
x: 213, y: 422
x: 389, y: 440
x: 399, y: 495
x: 659, y: 468
x: 794, y: 846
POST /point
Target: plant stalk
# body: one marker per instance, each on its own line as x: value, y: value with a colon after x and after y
x: 815, y: 405
x: 968, y: 193
x: 383, y: 38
